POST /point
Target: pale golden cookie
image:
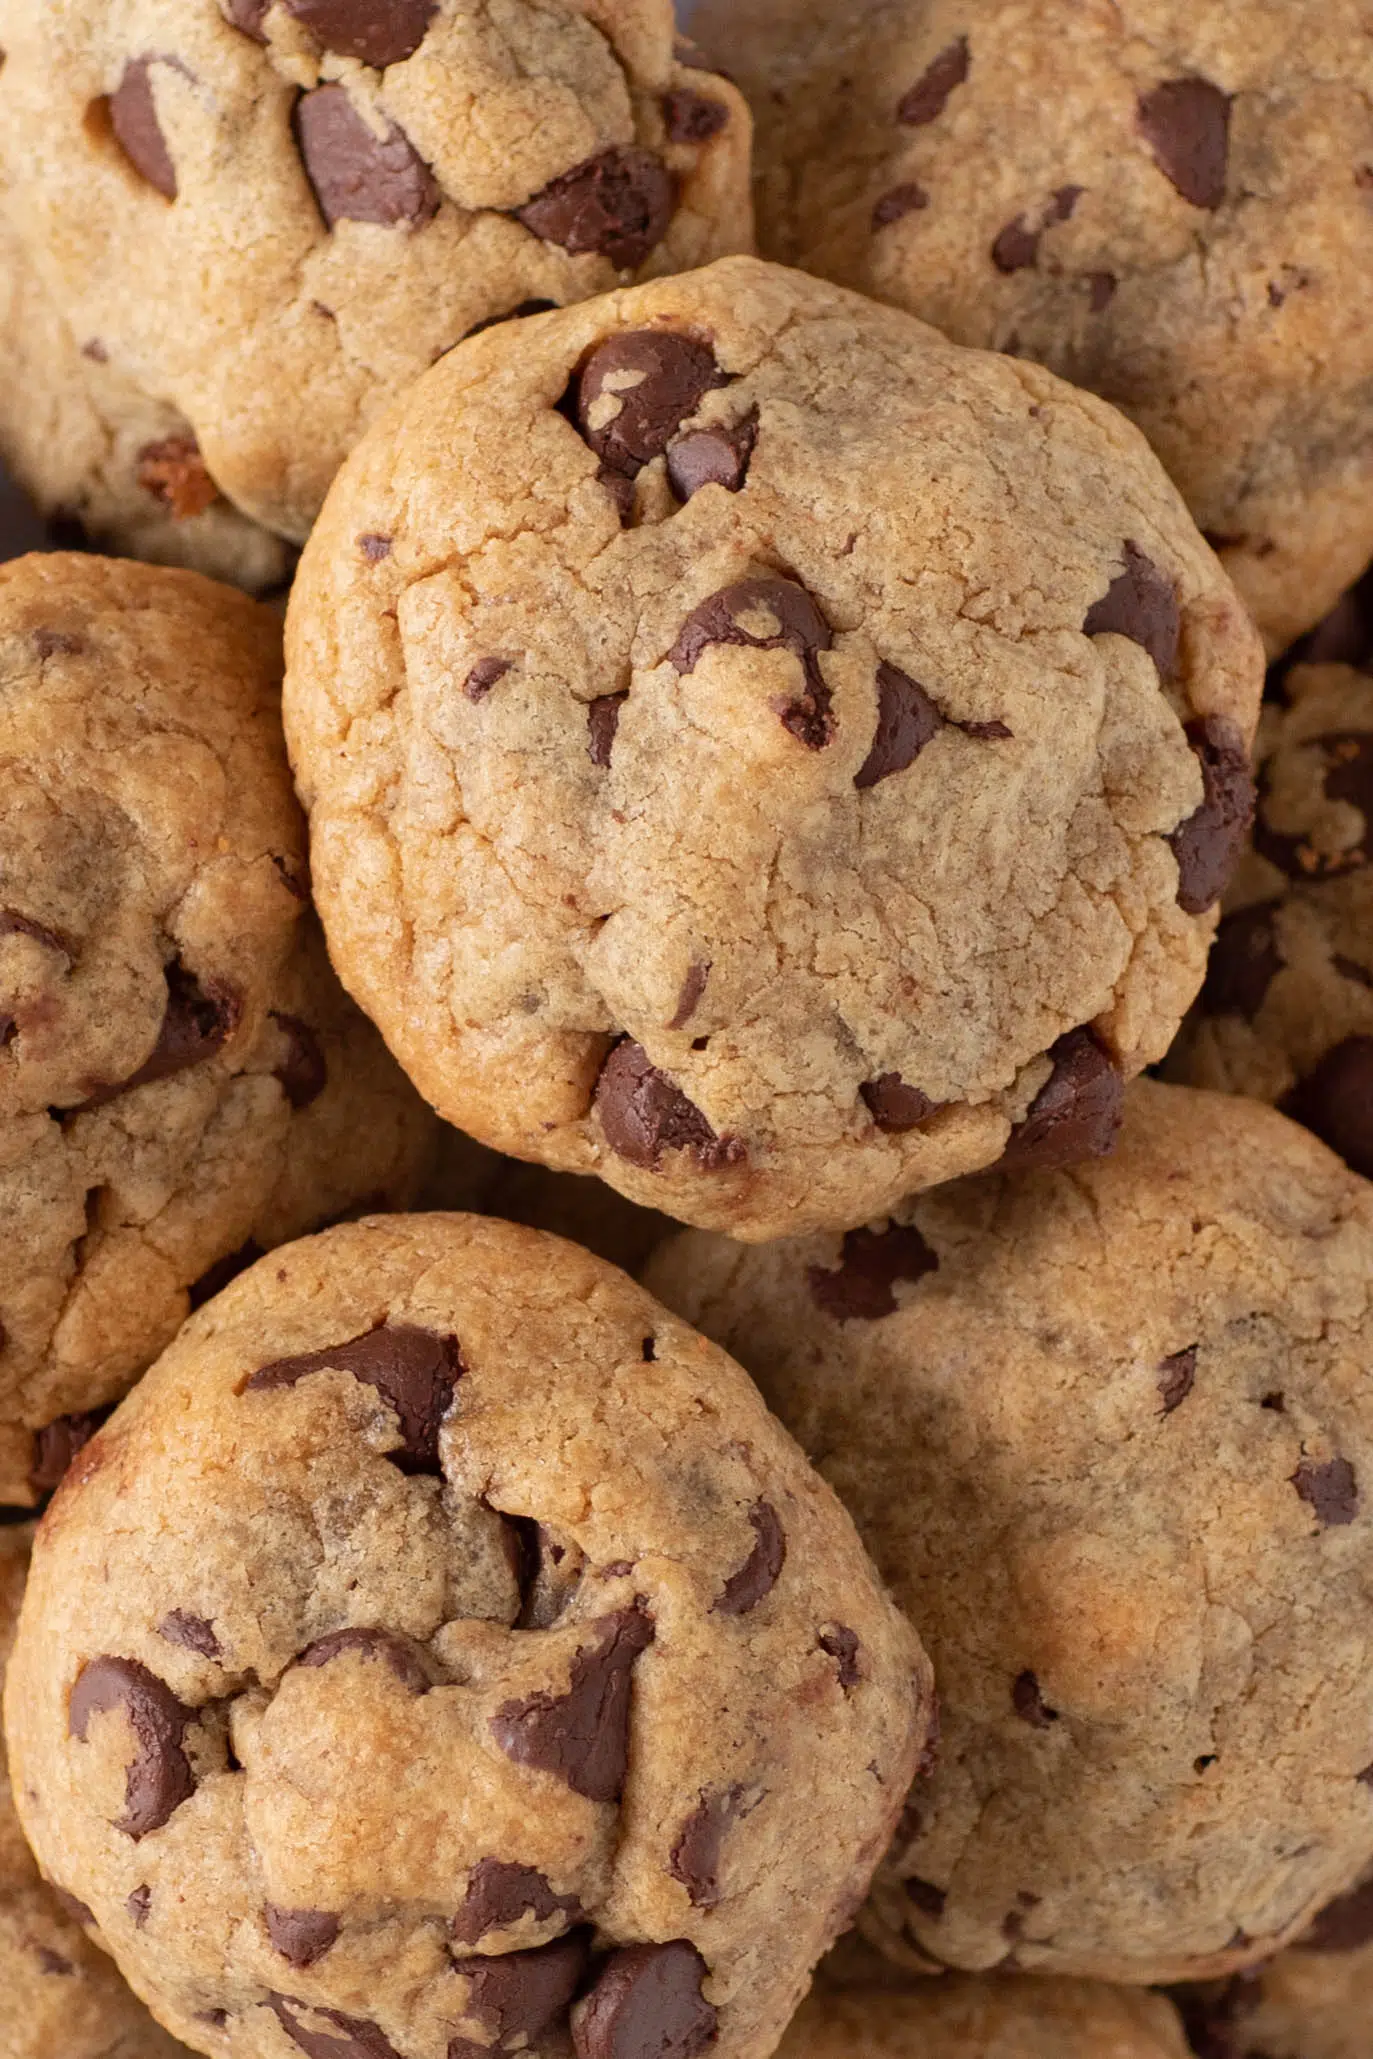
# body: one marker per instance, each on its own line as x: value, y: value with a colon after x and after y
x: 966, y: 2018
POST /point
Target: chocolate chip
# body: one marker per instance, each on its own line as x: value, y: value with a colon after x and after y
x: 1186, y: 123
x: 1176, y: 1377
x: 379, y: 32
x: 56, y: 1445
x: 521, y: 1994
x: 841, y: 1644
x: 1017, y: 246
x: 894, y: 1106
x: 1141, y: 602
x: 374, y: 547
x: 928, y: 1898
x: 927, y: 98
x: 499, y: 1893
x: 1335, y: 1102
x: 1101, y: 290
x: 800, y: 628
x: 159, y: 1778
x: 907, y: 719
x: 303, y: 1073
x: 356, y: 2039
x: 647, y: 2004
x: 216, y: 1277
x: 1344, y: 1925
x: 761, y: 1570
x: 174, y: 473
x: 405, y: 1658
x: 193, y: 1633
x: 712, y: 457
x: 300, y: 1935
x: 139, y: 1906
x: 247, y: 15
x: 356, y: 176
x: 1244, y: 962
x: 635, y: 391
x: 871, y: 1264
x: 693, y: 117
x: 583, y: 1735
x: 414, y: 1370
x: 1077, y: 1112
x: 895, y: 205
x: 197, y: 1022
x: 693, y: 986
x: 483, y: 677
x: 56, y: 643
x: 74, y: 1907
x: 1030, y: 1705
x: 643, y: 1115
x: 53, y: 1962
x: 1208, y: 844
x: 695, y: 1857
x: 1330, y: 1489
x: 602, y: 721
x: 133, y: 117
x: 618, y: 204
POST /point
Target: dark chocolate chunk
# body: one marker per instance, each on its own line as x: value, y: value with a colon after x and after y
x: 1101, y: 290
x: 1076, y: 1114
x: 693, y: 986
x: 483, y: 677
x: 175, y: 474
x: 193, y: 1633
x: 520, y: 1995
x: 247, y: 15
x: 602, y: 721
x: 860, y: 1289
x: 197, y: 1022
x: 379, y: 32
x: 56, y: 1445
x: 896, y: 204
x: 1141, y: 602
x: 646, y: 2004
x: 355, y: 175
x: 139, y: 1906
x: 695, y: 1857
x: 1030, y: 1705
x: 712, y: 457
x: 761, y: 1570
x: 133, y: 117
x: 801, y: 629
x: 159, y: 1778
x: 583, y: 1735
x: 1344, y: 1925
x: 1244, y: 962
x: 907, y: 719
x: 351, y: 2037
x: 1208, y: 844
x: 1186, y: 123
x: 405, y: 1658
x: 302, y: 1073
x: 841, y: 1644
x: 414, y: 1370
x: 1335, y: 1102
x: 1017, y: 246
x: 1330, y: 1489
x: 644, y: 1114
x: 500, y: 1892
x: 926, y: 100
x: 374, y: 547
x: 617, y: 204
x: 692, y: 117
x: 894, y: 1106
x: 300, y: 1935
x: 1176, y: 1376
x: 654, y: 379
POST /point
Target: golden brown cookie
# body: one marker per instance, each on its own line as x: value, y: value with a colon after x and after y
x: 967, y: 2018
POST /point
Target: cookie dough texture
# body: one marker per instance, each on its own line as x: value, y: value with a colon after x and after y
x: 276, y: 212
x: 504, y: 1650
x: 60, y: 1997
x: 182, y: 1081
x: 1108, y: 1434
x: 1286, y: 1012
x: 1169, y: 204
x: 957, y: 2018
x: 744, y: 733
x: 1314, y: 2001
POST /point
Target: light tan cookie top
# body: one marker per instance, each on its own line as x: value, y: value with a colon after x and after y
x: 746, y: 735
x: 1170, y: 204
x: 276, y: 212
x: 180, y: 1074
x: 1109, y: 1436
x: 958, y: 2018
x: 1314, y: 2001
x: 60, y: 1997
x: 442, y: 1630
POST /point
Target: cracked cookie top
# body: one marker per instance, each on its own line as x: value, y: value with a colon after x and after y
x: 763, y: 753
x: 480, y: 1668
x: 1108, y: 1434
x: 277, y: 212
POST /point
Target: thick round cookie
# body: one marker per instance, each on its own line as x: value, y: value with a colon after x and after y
x: 1314, y: 2001
x: 182, y: 1081
x: 967, y: 2018
x: 60, y: 1997
x: 1169, y: 204
x: 1286, y: 1013
x: 763, y: 753
x: 276, y: 212
x: 1109, y: 1436
x: 443, y: 1638
x: 107, y: 465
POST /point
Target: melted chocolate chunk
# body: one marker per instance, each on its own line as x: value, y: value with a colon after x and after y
x: 1017, y: 246
x: 1076, y: 1114
x: 1141, y: 603
x: 635, y: 391
x: 644, y: 1114
x: 483, y: 677
x: 355, y: 175
x: 379, y: 32
x: 302, y: 1073
x: 300, y: 1935
x: 1208, y: 844
x: 500, y: 1892
x: 646, y: 2004
x: 1244, y: 962
x: 695, y: 1857
x: 197, y: 1022
x: 860, y: 1290
x: 712, y: 457
x: 618, y: 205
x: 841, y: 1644
x: 520, y: 1995
x: 1030, y: 1705
x: 800, y: 629
x: 175, y: 474
x: 1176, y: 1376
x: 193, y: 1633
x: 159, y: 1778
x: 1330, y: 1489
x: 133, y: 117
x: 927, y: 98
x: 907, y: 719
x: 1344, y: 1925
x: 1186, y: 123
x: 405, y: 1658
x: 693, y: 986
x: 761, y: 1570
x: 139, y: 1906
x: 583, y: 1735
x: 351, y: 2037
x: 1335, y: 1102
x: 56, y: 1445
x: 692, y: 117
x: 415, y: 1371
x: 602, y: 721
x: 894, y: 1106
x: 896, y: 204
x: 247, y: 15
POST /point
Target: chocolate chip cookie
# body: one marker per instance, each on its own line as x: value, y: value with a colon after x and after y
x: 966, y: 2018
x: 107, y: 465
x: 1286, y: 1013
x: 763, y: 753
x: 182, y: 1081
x: 1169, y: 204
x: 1314, y: 2001
x: 444, y: 1652
x: 60, y: 1997
x: 1109, y: 1436
x: 274, y: 213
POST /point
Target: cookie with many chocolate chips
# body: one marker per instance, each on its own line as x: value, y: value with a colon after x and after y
x: 183, y: 1084
x: 1286, y: 1012
x: 274, y: 213
x: 966, y: 2018
x: 60, y: 1997
x: 1314, y: 2001
x: 1108, y: 1434
x: 1169, y: 204
x: 465, y: 1675
x: 763, y: 753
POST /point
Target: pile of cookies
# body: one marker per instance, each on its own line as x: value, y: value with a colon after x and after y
x: 686, y: 1029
